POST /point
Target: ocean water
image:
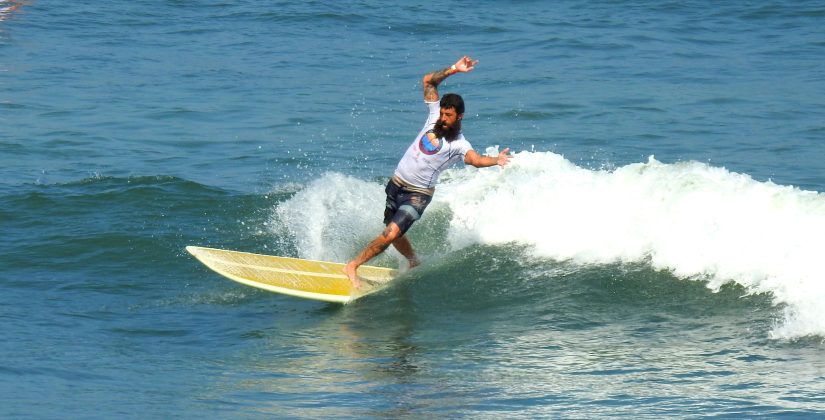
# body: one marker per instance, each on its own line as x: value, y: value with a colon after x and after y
x: 653, y: 250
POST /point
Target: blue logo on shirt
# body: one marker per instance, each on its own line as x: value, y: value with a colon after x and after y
x: 429, y: 144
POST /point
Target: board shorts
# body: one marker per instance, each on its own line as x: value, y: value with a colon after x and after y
x: 405, y: 205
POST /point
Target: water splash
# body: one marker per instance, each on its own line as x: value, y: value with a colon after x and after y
x: 692, y: 219
x: 689, y: 218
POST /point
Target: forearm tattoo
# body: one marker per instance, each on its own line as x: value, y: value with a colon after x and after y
x: 430, y: 88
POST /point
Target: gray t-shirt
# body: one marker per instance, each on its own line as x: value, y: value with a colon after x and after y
x: 423, y: 161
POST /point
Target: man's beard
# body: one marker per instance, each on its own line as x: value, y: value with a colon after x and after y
x: 450, y: 133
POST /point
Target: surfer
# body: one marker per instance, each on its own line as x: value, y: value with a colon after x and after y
x: 411, y: 187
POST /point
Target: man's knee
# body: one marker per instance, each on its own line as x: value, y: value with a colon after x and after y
x: 391, y: 232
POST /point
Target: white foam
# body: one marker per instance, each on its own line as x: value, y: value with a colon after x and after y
x: 332, y: 218
x: 693, y: 219
x: 690, y: 218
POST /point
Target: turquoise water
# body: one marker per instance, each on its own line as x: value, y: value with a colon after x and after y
x: 652, y: 251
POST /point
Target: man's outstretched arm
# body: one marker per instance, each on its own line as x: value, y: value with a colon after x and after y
x: 432, y: 80
x: 473, y: 158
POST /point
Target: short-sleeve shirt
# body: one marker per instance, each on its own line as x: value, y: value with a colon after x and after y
x: 423, y: 161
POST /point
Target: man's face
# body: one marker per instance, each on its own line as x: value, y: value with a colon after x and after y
x: 448, y: 118
x: 448, y: 124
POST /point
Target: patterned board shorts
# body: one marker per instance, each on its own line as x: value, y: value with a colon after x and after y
x: 404, y: 206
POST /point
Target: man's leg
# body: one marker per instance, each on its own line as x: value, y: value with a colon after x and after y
x: 403, y: 245
x: 377, y: 246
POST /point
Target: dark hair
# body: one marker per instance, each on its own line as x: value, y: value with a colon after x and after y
x: 452, y: 100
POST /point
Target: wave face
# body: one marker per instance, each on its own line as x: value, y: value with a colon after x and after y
x: 693, y: 220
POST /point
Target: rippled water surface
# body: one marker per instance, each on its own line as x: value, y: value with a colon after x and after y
x: 651, y: 251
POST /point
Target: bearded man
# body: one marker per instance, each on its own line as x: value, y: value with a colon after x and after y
x: 439, y: 144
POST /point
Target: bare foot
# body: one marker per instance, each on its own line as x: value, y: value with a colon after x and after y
x: 413, y: 263
x: 351, y: 271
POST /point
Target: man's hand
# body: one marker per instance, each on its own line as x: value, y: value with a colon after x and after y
x: 465, y: 64
x: 503, y: 157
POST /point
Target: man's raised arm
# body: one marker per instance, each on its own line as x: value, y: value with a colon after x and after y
x: 431, y: 80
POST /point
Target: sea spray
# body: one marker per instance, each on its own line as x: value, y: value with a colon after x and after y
x: 692, y: 219
x: 332, y: 218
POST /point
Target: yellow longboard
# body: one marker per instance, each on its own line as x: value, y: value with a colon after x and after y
x: 308, y: 279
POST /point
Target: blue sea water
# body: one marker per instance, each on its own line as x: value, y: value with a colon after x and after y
x: 653, y: 250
